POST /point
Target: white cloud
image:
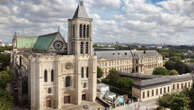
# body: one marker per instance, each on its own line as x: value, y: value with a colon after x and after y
x: 129, y: 21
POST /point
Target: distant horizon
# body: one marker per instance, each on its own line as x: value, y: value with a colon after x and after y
x: 134, y: 44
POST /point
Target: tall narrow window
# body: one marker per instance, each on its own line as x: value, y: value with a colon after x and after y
x: 88, y: 30
x: 20, y: 61
x: 156, y: 91
x: 143, y: 95
x: 80, y: 30
x: 84, y: 31
x: 82, y: 72
x: 52, y: 75
x: 86, y: 47
x: 81, y: 48
x: 45, y: 76
x: 87, y: 72
x: 148, y: 93
x: 67, y: 81
x: 152, y: 92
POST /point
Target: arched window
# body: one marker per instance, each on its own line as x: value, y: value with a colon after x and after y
x: 52, y: 75
x: 88, y: 30
x: 82, y: 72
x: 67, y: 81
x: 84, y: 32
x: 81, y: 48
x: 80, y: 30
x: 86, y: 47
x: 45, y: 76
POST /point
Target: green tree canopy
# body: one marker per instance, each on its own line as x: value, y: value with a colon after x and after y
x: 191, y: 96
x: 165, y: 101
x: 173, y: 72
x: 160, y: 71
x: 177, y: 101
x: 5, y: 100
x: 175, y: 58
x: 5, y: 97
x: 99, y: 72
x: 124, y: 82
x: 4, y: 61
x: 5, y: 48
x: 180, y: 67
x: 113, y: 76
x: 5, y: 77
x: 169, y: 65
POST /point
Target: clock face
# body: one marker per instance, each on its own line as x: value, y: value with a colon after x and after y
x: 58, y: 45
x: 69, y: 66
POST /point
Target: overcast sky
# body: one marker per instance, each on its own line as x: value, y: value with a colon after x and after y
x: 125, y: 21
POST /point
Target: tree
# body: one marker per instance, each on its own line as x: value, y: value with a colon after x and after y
x: 5, y: 100
x: 5, y: 97
x: 4, y: 61
x: 125, y: 82
x: 113, y: 76
x: 191, y: 96
x: 5, y: 77
x: 169, y: 65
x: 160, y: 71
x: 179, y: 102
x: 5, y: 48
x: 173, y: 72
x: 175, y: 58
x: 99, y: 72
x: 180, y: 67
x: 165, y: 101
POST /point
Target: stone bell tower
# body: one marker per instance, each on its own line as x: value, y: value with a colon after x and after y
x: 80, y: 32
x: 80, y: 45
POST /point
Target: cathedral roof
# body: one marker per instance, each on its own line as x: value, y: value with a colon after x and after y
x: 80, y: 11
x: 44, y: 41
x: 23, y: 42
x: 40, y: 43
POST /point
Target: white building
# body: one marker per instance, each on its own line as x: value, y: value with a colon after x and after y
x: 54, y: 73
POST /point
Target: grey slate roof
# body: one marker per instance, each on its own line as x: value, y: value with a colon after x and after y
x: 116, y: 54
x: 80, y: 11
x: 152, y: 82
x: 144, y: 53
x: 113, y: 54
x: 138, y: 75
x: 183, y: 77
x: 162, y: 80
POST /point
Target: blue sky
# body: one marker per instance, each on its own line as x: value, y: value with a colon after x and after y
x: 126, y: 21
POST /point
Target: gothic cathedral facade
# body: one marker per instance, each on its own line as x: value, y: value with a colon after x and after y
x: 59, y: 73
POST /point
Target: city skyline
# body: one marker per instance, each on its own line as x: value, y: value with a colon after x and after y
x: 127, y: 21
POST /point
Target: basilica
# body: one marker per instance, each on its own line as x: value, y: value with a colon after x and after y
x: 53, y: 73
